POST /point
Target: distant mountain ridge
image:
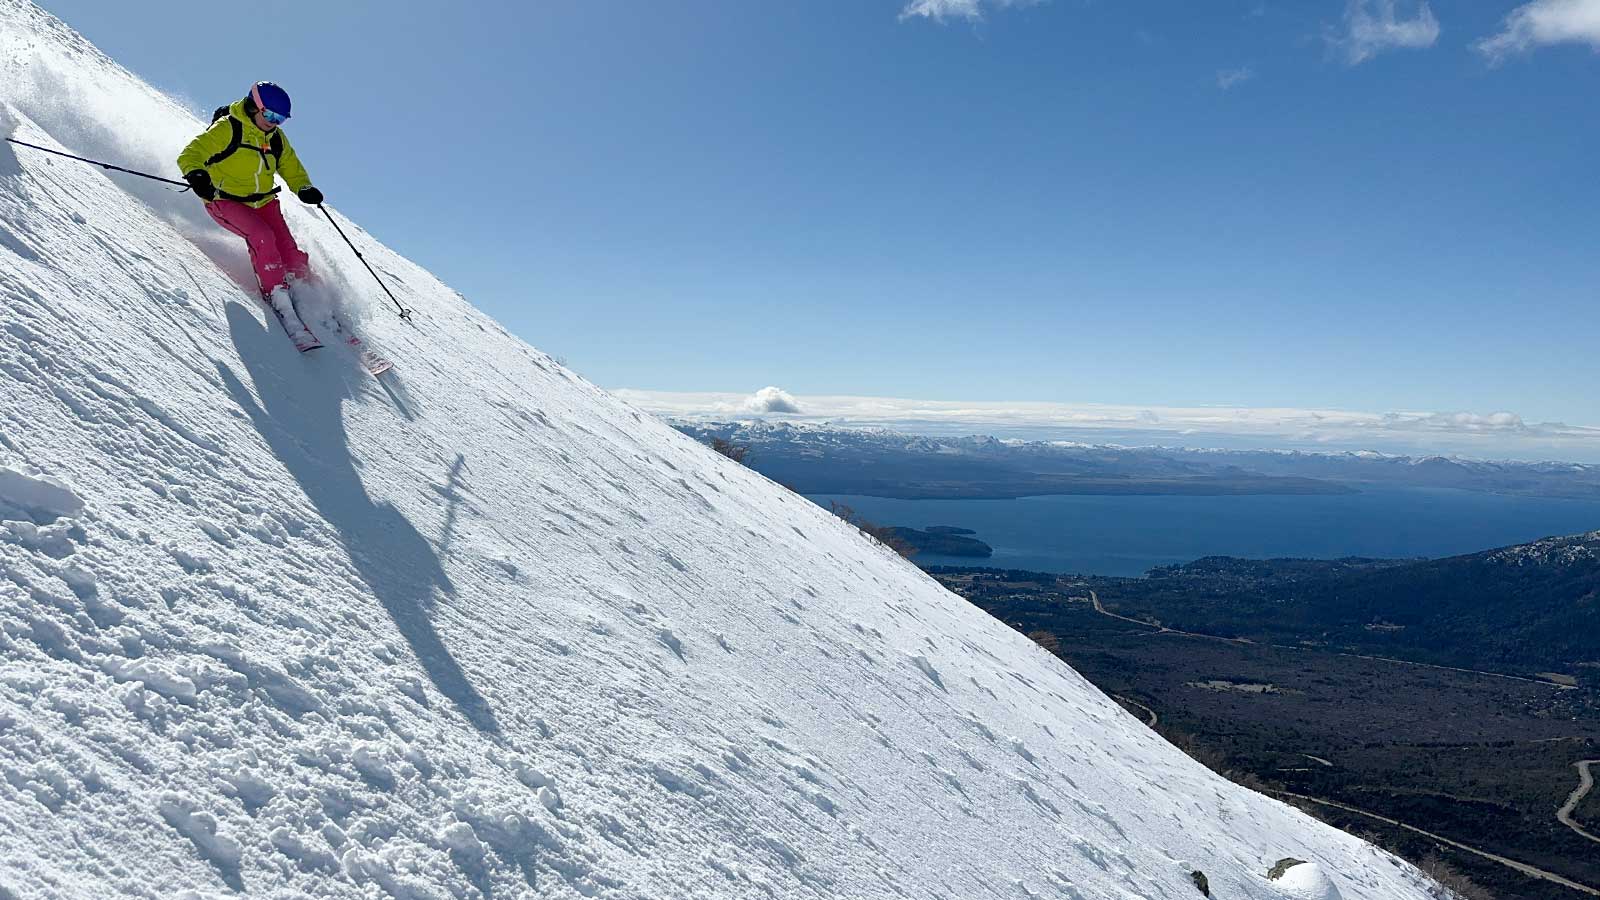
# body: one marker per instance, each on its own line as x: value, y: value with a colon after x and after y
x: 825, y: 459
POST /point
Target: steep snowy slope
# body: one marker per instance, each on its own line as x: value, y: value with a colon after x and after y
x: 269, y: 626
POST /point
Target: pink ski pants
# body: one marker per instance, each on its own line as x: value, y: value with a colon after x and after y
x: 273, y: 251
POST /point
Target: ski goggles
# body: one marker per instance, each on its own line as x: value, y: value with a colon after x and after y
x: 275, y: 118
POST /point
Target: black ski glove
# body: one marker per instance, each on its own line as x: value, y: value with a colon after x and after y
x: 310, y: 195
x: 200, y: 180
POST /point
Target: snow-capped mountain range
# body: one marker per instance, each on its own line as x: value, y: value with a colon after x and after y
x: 272, y: 627
x: 817, y: 458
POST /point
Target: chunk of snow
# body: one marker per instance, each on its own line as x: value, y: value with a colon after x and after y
x: 155, y: 676
x: 201, y: 828
x: 1306, y: 881
x: 39, y: 494
x: 82, y: 581
x: 550, y: 798
x: 460, y: 837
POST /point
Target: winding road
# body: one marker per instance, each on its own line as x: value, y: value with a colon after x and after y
x: 1524, y: 868
x: 1585, y: 784
x: 1586, y: 776
x: 1154, y: 719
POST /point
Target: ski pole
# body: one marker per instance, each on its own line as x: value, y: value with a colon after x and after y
x: 103, y: 165
x: 404, y: 313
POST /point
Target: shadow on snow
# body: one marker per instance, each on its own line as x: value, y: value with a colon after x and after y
x: 303, y: 425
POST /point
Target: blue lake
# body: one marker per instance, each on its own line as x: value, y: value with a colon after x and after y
x: 1128, y: 535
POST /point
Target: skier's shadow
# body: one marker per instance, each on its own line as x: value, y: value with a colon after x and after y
x: 303, y: 424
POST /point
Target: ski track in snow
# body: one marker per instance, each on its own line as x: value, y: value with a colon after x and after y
x: 268, y: 626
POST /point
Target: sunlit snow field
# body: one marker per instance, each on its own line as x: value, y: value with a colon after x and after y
x: 269, y: 626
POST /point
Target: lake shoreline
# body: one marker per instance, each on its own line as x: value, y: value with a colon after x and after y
x: 1127, y: 535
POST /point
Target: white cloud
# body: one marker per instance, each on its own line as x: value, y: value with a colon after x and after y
x: 1544, y: 22
x: 770, y: 400
x: 1227, y: 79
x: 1493, y: 434
x: 1463, y: 421
x: 971, y: 10
x: 1373, y: 26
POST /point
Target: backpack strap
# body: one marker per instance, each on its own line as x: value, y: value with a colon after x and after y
x: 234, y: 142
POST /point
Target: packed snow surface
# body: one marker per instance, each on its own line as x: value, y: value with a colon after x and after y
x: 269, y: 626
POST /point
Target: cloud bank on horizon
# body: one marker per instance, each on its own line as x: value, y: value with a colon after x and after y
x: 771, y: 400
x: 1491, y: 435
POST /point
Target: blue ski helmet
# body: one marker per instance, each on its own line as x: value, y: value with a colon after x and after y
x: 269, y: 96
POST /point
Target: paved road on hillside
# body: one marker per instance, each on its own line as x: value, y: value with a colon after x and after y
x: 1524, y: 868
x: 1586, y: 776
x: 1154, y: 719
x: 1585, y: 784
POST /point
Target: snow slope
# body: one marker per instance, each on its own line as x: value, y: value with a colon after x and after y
x: 269, y: 626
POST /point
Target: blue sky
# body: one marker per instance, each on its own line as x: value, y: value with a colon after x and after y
x: 1320, y: 203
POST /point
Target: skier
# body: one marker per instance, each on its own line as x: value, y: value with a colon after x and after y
x: 231, y: 166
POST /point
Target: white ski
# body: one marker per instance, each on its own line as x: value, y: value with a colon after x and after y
x: 282, y: 306
x: 372, y: 362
